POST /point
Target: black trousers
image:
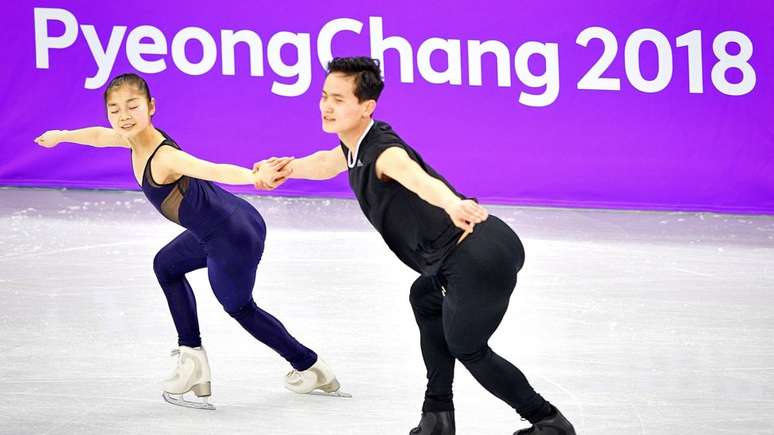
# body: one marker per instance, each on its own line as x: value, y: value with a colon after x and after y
x: 477, y: 278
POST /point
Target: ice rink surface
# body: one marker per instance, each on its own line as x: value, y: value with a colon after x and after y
x: 630, y: 322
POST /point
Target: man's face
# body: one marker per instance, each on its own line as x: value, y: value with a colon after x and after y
x: 339, y: 107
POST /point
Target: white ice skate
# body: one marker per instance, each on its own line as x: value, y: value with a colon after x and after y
x: 191, y: 374
x: 318, y: 379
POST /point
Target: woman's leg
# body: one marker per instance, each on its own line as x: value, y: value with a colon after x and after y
x: 180, y: 256
x: 231, y: 266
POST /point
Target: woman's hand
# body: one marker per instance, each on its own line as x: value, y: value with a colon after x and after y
x: 50, y: 138
x: 271, y: 173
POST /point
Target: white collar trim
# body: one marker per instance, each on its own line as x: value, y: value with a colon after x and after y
x: 352, y: 158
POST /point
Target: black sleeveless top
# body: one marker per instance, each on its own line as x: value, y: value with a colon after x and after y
x: 419, y: 233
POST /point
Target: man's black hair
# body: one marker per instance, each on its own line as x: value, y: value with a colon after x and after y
x: 367, y: 74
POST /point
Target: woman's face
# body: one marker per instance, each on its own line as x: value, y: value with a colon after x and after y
x: 129, y: 110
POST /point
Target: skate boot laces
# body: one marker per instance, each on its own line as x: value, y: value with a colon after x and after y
x: 293, y: 375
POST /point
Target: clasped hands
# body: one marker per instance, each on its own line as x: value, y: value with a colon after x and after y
x: 271, y: 173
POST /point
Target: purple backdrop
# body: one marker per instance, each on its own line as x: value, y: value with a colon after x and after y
x: 647, y: 145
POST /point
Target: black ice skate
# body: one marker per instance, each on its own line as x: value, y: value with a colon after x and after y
x: 435, y: 423
x: 554, y: 424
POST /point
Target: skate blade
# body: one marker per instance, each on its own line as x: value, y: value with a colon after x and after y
x: 331, y: 394
x: 179, y: 401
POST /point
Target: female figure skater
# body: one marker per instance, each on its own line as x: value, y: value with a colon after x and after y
x: 224, y: 233
x: 467, y: 274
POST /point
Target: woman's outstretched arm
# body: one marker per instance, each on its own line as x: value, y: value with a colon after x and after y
x: 176, y: 163
x: 91, y: 136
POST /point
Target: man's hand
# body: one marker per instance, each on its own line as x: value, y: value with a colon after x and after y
x: 465, y: 214
x: 271, y: 173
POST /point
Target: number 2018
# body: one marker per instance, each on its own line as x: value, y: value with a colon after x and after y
x: 593, y: 79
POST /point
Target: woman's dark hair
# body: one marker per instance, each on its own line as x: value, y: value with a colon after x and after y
x: 128, y: 79
x: 367, y: 73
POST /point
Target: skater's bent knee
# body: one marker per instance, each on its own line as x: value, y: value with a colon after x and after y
x: 421, y: 288
x: 162, y: 268
x: 469, y: 355
x: 238, y: 311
